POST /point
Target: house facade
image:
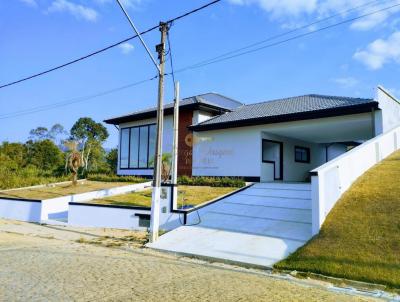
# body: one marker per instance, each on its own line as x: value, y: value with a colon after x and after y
x: 278, y: 140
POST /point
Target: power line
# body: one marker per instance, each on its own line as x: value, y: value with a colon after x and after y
x: 106, y: 48
x: 193, y: 66
x: 170, y: 59
x: 274, y: 37
x: 71, y: 101
x: 224, y: 57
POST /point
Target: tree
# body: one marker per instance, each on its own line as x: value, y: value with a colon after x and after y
x: 16, y: 152
x: 91, y: 135
x: 39, y: 133
x: 56, y: 133
x: 44, y: 154
x: 112, y: 159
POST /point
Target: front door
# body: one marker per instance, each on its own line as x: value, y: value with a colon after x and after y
x: 272, y: 157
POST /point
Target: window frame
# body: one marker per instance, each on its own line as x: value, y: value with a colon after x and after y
x: 308, y: 154
x: 148, y: 167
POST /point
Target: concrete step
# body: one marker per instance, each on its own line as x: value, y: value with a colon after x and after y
x: 287, y: 186
x: 225, y: 245
x: 279, y: 192
x: 258, y: 226
x: 286, y: 214
x: 277, y: 202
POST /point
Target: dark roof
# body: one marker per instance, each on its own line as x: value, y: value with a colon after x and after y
x: 288, y: 109
x: 212, y: 102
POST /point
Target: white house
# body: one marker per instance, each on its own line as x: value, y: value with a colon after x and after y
x: 281, y: 139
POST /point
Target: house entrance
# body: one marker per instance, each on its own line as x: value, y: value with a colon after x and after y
x: 272, y: 160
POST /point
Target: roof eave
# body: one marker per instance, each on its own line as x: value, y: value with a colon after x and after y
x: 167, y: 111
x: 361, y: 108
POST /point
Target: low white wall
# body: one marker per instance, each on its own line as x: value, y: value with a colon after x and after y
x: 332, y: 179
x: 25, y: 210
x: 121, y: 217
x: 90, y: 215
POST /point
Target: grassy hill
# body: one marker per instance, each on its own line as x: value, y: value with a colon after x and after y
x: 360, y: 238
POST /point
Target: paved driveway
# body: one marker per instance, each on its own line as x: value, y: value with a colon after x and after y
x: 57, y: 268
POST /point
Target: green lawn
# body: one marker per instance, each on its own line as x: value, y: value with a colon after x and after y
x: 193, y: 195
x: 360, y: 238
x: 53, y: 191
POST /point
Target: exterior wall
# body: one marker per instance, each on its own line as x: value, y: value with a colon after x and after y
x: 185, y: 142
x: 389, y: 115
x: 237, y: 152
x: 227, y: 152
x: 335, y: 150
x: 200, y: 116
x: 297, y: 171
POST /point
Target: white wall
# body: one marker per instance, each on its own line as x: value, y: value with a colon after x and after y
x: 200, y: 116
x: 332, y: 179
x: 237, y: 152
x: 20, y: 210
x: 227, y: 152
x: 336, y: 150
x: 389, y: 115
x: 166, y: 146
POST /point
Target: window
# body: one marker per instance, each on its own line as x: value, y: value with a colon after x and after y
x: 124, y: 148
x: 301, y: 154
x: 137, y: 147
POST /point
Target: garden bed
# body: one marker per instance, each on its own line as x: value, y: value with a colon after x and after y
x: 50, y: 191
x: 187, y: 196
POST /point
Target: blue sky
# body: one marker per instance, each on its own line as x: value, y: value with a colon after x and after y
x: 349, y: 60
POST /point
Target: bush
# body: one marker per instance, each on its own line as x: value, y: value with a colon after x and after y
x: 211, y: 181
x: 115, y: 178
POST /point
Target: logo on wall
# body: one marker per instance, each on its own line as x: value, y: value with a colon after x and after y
x: 191, y: 139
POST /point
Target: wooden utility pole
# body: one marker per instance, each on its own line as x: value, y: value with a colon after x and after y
x: 155, y: 204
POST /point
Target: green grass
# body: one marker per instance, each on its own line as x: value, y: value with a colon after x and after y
x: 53, y: 191
x: 193, y: 195
x: 360, y: 238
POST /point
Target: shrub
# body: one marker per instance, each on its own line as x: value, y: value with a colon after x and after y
x: 115, y: 178
x: 211, y: 181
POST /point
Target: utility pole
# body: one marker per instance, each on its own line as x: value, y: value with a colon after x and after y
x: 174, y: 176
x: 155, y: 203
x: 160, y: 48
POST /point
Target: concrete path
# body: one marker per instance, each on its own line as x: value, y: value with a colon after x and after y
x: 258, y: 226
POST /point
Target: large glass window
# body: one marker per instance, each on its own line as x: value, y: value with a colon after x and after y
x: 143, y: 146
x: 133, y: 149
x: 152, y: 145
x: 137, y: 147
x: 124, y: 145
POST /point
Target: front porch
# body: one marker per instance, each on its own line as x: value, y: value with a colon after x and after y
x: 290, y: 151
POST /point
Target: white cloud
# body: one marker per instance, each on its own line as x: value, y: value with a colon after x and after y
x: 346, y: 82
x: 380, y: 52
x: 77, y: 10
x: 126, y: 48
x: 32, y: 3
x: 292, y: 11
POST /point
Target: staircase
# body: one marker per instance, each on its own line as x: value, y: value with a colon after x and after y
x: 257, y: 226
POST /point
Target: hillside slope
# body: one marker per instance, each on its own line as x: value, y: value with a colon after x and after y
x: 360, y: 238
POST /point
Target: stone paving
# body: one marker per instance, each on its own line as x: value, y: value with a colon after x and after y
x: 38, y: 263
